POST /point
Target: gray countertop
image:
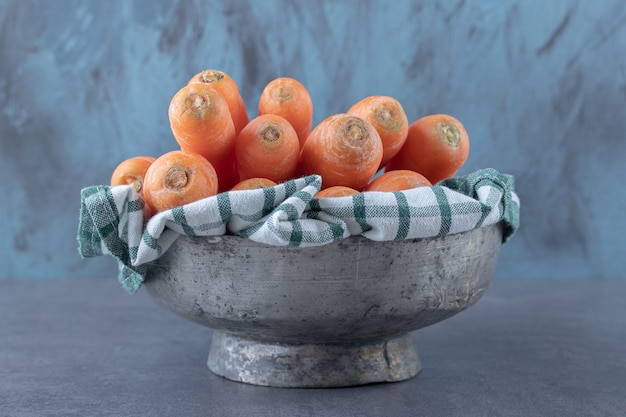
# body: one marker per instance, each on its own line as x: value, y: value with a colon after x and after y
x: 527, y: 348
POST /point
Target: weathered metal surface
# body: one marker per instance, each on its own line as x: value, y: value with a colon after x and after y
x: 322, y: 316
x: 313, y: 365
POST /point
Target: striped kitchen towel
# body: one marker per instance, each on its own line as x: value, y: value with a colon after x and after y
x: 112, y: 218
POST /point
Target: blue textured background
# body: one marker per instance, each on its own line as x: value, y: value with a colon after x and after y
x: 540, y: 86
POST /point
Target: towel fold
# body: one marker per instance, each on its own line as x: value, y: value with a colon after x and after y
x: 112, y: 217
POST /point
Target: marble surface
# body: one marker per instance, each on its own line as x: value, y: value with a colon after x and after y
x: 84, y: 347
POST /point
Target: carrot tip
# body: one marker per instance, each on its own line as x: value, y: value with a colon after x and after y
x: 451, y: 134
x: 196, y: 103
x: 385, y: 115
x: 283, y: 94
x: 270, y: 134
x: 355, y: 132
x: 211, y: 76
x: 136, y: 182
x: 176, y: 178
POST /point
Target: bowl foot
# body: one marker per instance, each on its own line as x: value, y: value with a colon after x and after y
x: 313, y: 365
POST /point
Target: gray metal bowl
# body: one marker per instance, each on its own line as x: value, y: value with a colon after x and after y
x: 335, y: 315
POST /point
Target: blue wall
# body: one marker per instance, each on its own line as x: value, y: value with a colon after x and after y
x: 540, y: 86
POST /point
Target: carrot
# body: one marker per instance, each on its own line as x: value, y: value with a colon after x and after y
x: 387, y: 116
x: 437, y: 146
x: 289, y: 98
x: 132, y: 172
x: 253, y: 183
x: 177, y: 178
x: 344, y: 149
x: 228, y: 88
x: 201, y: 122
x: 226, y: 172
x: 398, y: 180
x: 267, y: 147
x: 336, y: 191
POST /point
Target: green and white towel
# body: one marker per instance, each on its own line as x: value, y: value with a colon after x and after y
x: 112, y: 219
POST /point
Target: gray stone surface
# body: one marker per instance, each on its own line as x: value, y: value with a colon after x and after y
x: 527, y: 348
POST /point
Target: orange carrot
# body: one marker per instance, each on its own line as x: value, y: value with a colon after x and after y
x: 336, y: 191
x: 226, y: 172
x: 132, y: 172
x: 398, y: 180
x: 267, y: 147
x: 228, y: 88
x: 343, y: 149
x: 201, y: 122
x: 387, y: 116
x: 253, y: 183
x: 177, y: 178
x: 436, y: 146
x: 287, y: 97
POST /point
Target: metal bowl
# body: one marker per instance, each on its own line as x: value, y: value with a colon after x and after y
x: 334, y: 315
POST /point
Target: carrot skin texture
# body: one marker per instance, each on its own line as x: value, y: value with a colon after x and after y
x: 177, y: 178
x: 398, y: 180
x: 344, y: 149
x: 201, y: 122
x: 267, y: 147
x: 228, y: 88
x: 437, y: 146
x: 389, y: 119
x: 287, y: 97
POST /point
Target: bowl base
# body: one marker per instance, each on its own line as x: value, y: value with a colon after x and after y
x: 313, y: 365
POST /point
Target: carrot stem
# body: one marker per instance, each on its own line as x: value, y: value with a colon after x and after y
x: 283, y: 94
x: 354, y: 133
x: 176, y: 178
x: 211, y: 76
x: 196, y: 103
x: 451, y: 134
x: 270, y: 134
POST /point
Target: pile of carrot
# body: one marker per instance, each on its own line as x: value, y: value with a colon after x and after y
x: 370, y: 147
